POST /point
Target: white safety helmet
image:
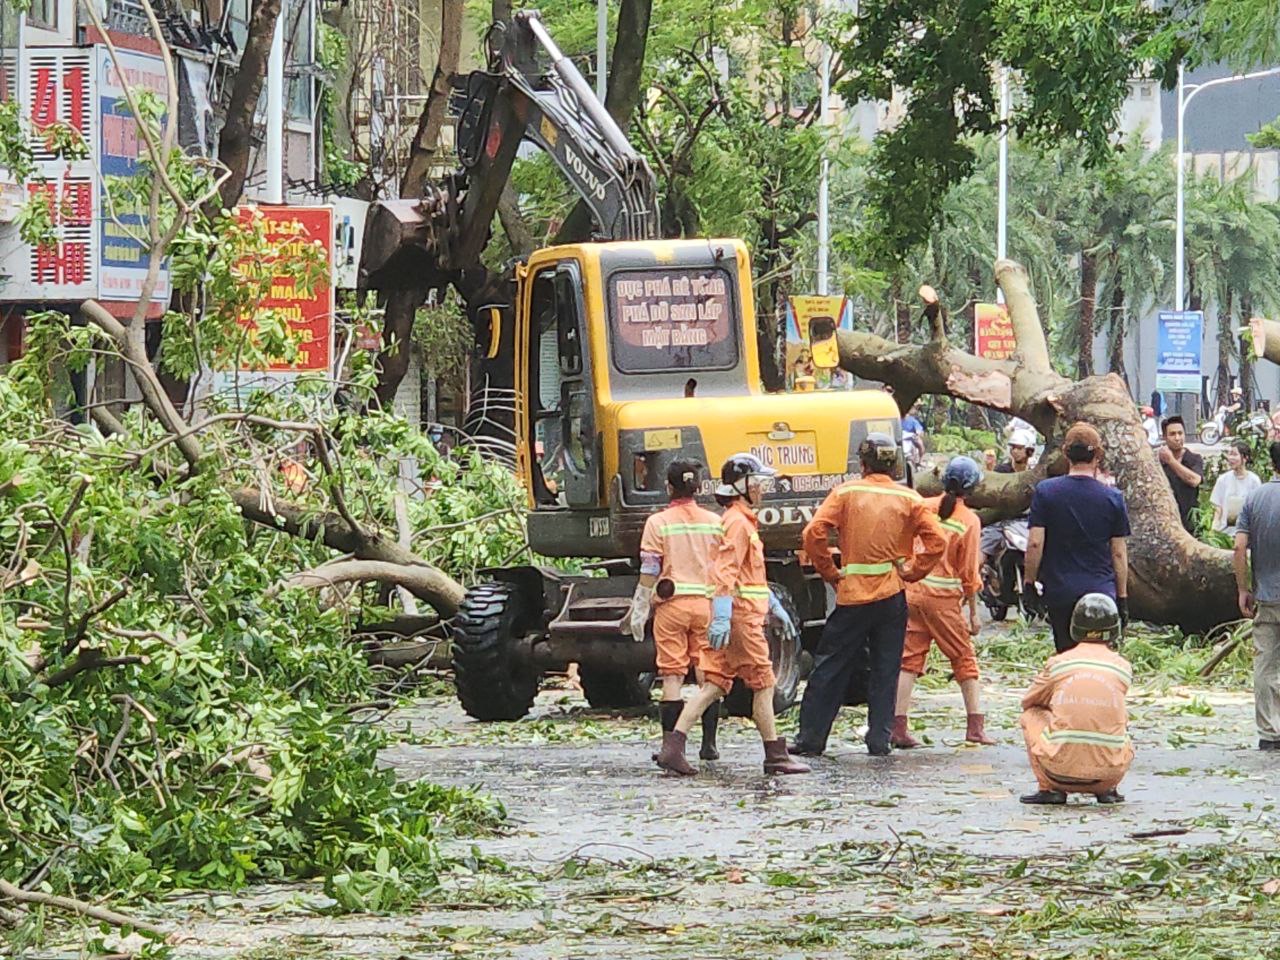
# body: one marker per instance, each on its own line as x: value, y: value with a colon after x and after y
x: 1023, y: 438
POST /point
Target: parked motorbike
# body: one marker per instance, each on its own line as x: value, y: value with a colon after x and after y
x: 1255, y: 425
x: 1004, y: 552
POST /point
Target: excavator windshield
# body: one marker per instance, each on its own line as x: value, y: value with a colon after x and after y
x: 666, y: 318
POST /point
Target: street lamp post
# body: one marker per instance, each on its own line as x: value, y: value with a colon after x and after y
x: 1186, y: 93
x: 1002, y: 190
x: 602, y: 46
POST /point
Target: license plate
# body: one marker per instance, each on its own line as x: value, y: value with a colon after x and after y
x: 798, y: 454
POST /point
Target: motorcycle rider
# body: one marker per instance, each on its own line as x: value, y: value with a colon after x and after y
x: 1074, y: 717
x: 878, y: 522
x: 936, y: 605
x: 737, y: 646
x: 676, y: 549
x: 913, y: 436
x: 1022, y: 444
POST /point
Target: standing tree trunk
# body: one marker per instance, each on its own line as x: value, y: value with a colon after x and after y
x: 1118, y: 330
x: 236, y: 138
x: 402, y: 303
x: 1226, y: 338
x: 1245, y: 346
x: 1088, y: 308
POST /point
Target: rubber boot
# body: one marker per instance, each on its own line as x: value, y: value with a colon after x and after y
x: 777, y: 760
x: 710, y: 721
x: 668, y: 714
x: 671, y: 756
x: 1111, y: 796
x: 900, y: 736
x: 976, y: 731
x: 1043, y: 798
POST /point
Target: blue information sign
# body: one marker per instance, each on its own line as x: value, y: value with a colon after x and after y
x: 1178, y: 346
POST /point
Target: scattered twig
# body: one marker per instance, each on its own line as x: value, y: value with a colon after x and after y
x: 103, y: 914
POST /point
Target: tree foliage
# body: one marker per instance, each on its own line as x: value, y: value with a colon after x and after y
x: 1071, y: 64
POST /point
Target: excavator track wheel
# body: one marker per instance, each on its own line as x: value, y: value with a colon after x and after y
x: 492, y: 683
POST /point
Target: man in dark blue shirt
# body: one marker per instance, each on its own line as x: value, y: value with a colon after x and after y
x: 1076, y: 543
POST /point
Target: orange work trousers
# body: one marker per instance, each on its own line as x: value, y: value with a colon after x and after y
x: 746, y: 656
x: 680, y: 633
x: 1034, y: 722
x: 940, y: 620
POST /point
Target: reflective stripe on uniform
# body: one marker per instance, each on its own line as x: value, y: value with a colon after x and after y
x: 955, y: 525
x: 694, y: 590
x: 1067, y: 666
x: 754, y: 591
x: 944, y: 583
x: 1112, y: 741
x: 671, y: 529
x: 867, y: 569
x: 894, y: 491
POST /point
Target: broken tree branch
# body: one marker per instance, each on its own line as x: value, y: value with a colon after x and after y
x: 93, y: 912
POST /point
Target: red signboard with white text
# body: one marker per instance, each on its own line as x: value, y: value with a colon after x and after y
x: 993, y: 334
x: 309, y: 313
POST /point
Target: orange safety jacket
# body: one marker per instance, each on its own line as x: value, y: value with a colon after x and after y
x: 878, y: 523
x: 1083, y: 690
x: 959, y: 572
x: 685, y: 535
x: 738, y: 568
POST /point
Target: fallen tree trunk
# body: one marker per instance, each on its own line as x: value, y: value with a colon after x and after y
x: 1173, y: 578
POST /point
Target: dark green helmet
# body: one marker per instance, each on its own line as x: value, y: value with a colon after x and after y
x: 1096, y: 619
x: 878, y: 452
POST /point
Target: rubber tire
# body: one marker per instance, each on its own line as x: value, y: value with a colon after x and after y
x: 610, y: 689
x: 489, y: 685
x: 1210, y: 434
x: 786, y: 665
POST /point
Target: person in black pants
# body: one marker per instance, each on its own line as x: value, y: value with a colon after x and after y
x: 1076, y: 542
x: 888, y: 538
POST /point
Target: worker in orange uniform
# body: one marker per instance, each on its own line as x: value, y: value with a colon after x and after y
x: 877, y: 521
x: 936, y: 605
x: 675, y: 567
x: 737, y: 647
x: 1074, y: 716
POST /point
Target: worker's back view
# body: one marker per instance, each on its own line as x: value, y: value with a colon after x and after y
x: 877, y: 522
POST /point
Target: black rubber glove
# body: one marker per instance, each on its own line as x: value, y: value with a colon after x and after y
x: 1122, y: 604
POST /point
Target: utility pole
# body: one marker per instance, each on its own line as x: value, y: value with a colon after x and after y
x: 1002, y: 190
x: 275, y: 115
x: 602, y: 31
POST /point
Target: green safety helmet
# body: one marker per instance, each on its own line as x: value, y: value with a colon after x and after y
x: 879, y: 452
x: 1096, y: 619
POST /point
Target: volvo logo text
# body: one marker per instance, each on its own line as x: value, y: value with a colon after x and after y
x: 584, y: 173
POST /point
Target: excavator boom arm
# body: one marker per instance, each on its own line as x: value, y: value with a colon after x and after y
x: 497, y: 109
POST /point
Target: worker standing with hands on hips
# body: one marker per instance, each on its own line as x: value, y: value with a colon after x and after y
x: 936, y: 605
x: 737, y: 646
x: 878, y: 523
x: 676, y: 550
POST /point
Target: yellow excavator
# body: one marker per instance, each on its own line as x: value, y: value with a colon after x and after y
x: 617, y: 355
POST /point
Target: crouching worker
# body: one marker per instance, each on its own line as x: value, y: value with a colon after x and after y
x: 675, y: 583
x: 936, y: 605
x: 737, y: 647
x: 1074, y: 715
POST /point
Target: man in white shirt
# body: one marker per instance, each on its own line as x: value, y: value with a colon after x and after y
x: 1233, y: 488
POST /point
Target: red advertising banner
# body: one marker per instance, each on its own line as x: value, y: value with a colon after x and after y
x: 309, y: 315
x: 993, y: 332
